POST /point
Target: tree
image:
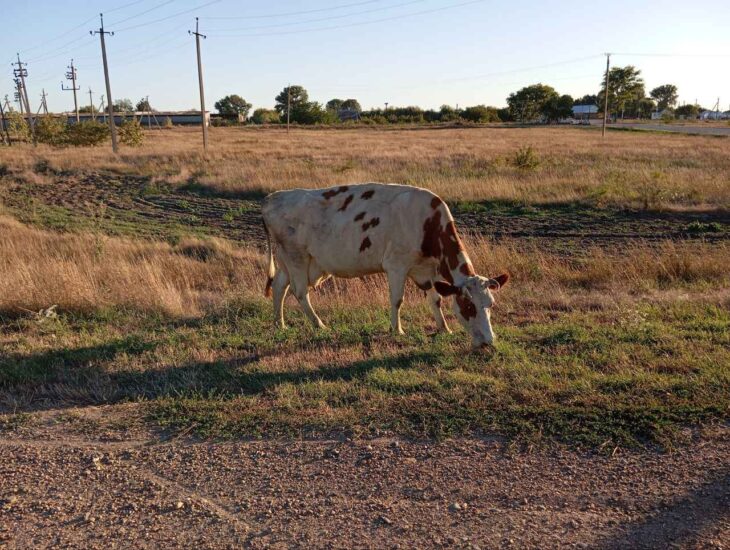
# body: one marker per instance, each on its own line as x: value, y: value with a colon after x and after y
x: 233, y: 105
x: 480, y: 113
x: 143, y: 105
x: 334, y: 105
x: 296, y: 95
x: 644, y: 107
x: 265, y: 116
x: 447, y: 113
x: 557, y: 107
x: 587, y: 99
x: 665, y: 96
x: 528, y: 103
x: 625, y: 88
x: 123, y: 106
x: 351, y: 105
x: 687, y: 111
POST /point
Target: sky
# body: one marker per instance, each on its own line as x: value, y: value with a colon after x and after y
x: 404, y: 52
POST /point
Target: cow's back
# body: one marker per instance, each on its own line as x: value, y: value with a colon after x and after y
x: 349, y: 230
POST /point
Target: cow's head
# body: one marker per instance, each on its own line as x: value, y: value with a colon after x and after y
x: 473, y: 300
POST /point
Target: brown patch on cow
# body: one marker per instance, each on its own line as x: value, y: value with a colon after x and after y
x: 367, y: 194
x: 431, y: 243
x: 435, y: 202
x: 371, y: 223
x: 360, y: 216
x: 333, y: 192
x: 425, y: 286
x: 444, y: 244
x: 445, y: 271
x: 365, y: 244
x: 467, y: 269
x: 466, y: 307
x: 345, y: 204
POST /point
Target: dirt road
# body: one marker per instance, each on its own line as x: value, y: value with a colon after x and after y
x: 62, y: 490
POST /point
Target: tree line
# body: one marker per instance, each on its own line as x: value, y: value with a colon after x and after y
x: 627, y: 98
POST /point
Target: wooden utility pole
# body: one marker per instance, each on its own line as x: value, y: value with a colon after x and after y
x: 71, y: 75
x: 101, y: 32
x: 605, y: 97
x: 288, y: 106
x: 4, y: 122
x: 91, y: 104
x: 21, y: 72
x: 200, y: 83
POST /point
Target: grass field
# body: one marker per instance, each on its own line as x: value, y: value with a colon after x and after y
x: 615, y: 329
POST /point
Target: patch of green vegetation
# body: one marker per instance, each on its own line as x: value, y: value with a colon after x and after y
x: 583, y: 378
x: 701, y: 227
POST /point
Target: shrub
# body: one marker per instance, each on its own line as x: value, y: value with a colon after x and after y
x: 265, y: 116
x: 480, y: 113
x: 131, y: 133
x: 50, y: 130
x: 17, y: 126
x: 86, y: 134
x: 167, y: 122
x: 526, y: 158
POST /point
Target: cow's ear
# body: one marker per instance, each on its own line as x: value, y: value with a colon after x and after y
x: 501, y: 280
x: 446, y: 289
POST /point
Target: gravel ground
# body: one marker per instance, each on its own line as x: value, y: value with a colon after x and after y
x: 62, y: 490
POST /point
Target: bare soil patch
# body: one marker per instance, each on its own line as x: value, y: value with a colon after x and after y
x: 82, y: 492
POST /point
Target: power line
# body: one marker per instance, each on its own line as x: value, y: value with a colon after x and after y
x: 140, y: 14
x: 287, y: 14
x: 353, y: 14
x: 360, y: 23
x: 201, y: 6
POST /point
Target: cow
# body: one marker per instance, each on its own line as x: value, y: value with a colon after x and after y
x: 356, y: 230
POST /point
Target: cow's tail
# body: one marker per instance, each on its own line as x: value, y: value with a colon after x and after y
x: 272, y: 266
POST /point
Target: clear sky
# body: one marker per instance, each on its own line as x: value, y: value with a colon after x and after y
x: 405, y: 52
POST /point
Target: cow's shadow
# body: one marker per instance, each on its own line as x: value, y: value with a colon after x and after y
x: 57, y: 379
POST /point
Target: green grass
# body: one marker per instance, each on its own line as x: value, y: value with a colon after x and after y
x: 589, y: 378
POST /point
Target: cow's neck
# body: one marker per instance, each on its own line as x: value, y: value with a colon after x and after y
x: 455, y: 265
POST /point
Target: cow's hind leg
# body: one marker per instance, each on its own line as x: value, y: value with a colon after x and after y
x: 280, y: 286
x: 299, y: 280
x: 397, y: 284
x: 434, y: 299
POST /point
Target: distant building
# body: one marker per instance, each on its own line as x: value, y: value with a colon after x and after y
x: 658, y: 115
x: 348, y: 114
x: 715, y: 115
x: 178, y: 118
x: 585, y: 112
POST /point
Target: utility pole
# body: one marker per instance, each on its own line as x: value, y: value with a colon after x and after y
x: 149, y: 113
x: 91, y: 104
x: 21, y: 72
x: 288, y: 106
x: 44, y: 105
x: 200, y: 83
x: 71, y: 75
x: 101, y: 32
x: 4, y: 122
x: 605, y: 97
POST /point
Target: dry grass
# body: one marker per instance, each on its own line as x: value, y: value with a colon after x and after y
x: 627, y: 168
x: 88, y: 272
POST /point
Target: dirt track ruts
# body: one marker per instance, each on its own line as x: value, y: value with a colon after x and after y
x: 559, y: 227
x: 462, y: 493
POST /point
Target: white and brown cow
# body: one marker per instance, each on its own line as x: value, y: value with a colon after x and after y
x: 356, y: 230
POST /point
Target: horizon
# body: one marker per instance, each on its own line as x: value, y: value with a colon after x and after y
x: 373, y: 51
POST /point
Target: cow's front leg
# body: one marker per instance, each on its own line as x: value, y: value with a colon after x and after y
x: 434, y: 299
x: 397, y: 284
